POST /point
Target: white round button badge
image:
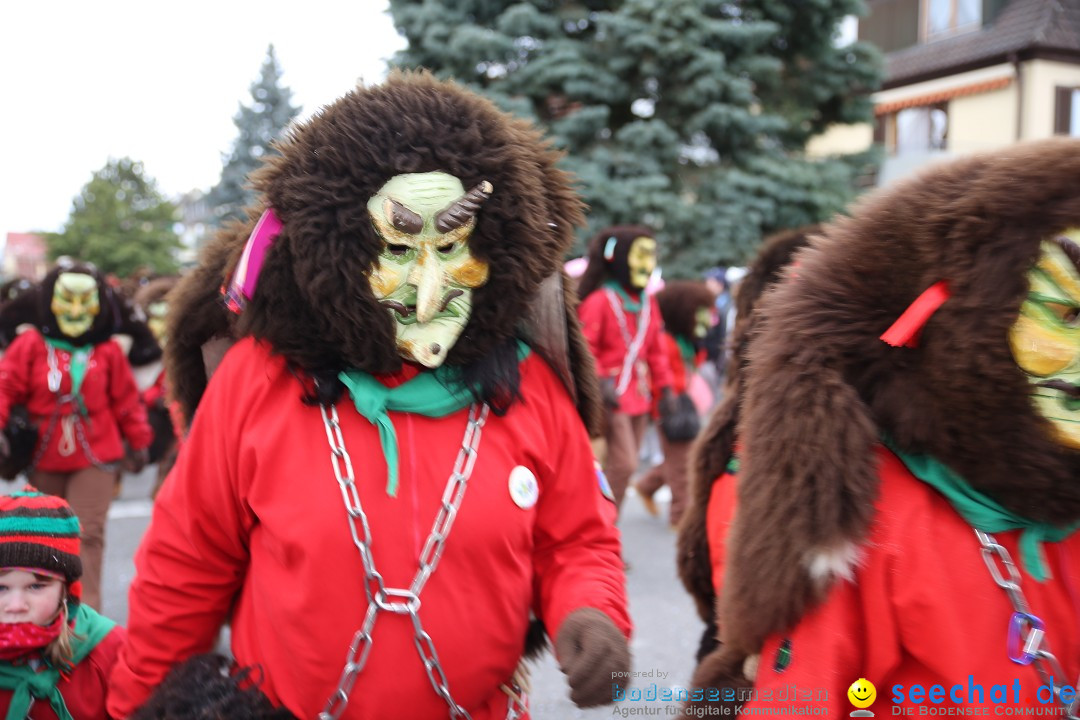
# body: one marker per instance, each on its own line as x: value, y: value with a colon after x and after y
x: 524, y: 490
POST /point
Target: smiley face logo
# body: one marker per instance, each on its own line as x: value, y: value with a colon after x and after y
x: 862, y: 693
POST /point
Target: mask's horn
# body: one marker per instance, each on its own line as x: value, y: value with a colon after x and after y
x: 464, y: 208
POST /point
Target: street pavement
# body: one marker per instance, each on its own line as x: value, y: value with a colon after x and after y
x: 666, y: 626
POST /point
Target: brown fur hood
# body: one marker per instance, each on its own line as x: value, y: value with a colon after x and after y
x: 314, y: 304
x: 822, y: 387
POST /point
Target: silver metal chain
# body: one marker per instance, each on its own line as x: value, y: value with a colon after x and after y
x: 69, y: 423
x: 1027, y: 643
x: 402, y: 601
x: 633, y: 346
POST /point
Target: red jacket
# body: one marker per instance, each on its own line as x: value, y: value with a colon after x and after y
x: 923, y: 610
x: 108, y: 391
x: 84, y: 689
x: 252, y: 521
x: 609, y: 348
x: 718, y: 518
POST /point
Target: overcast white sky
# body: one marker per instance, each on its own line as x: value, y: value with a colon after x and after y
x: 83, y: 81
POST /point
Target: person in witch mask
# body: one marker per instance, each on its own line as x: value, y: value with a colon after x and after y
x: 386, y: 473
x: 162, y: 411
x: 79, y: 391
x: 623, y: 326
x: 906, y: 506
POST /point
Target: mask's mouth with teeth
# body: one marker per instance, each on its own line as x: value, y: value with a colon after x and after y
x: 406, y: 313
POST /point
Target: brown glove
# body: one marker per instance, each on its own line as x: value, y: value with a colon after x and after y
x: 136, y: 460
x: 593, y: 653
x: 608, y: 393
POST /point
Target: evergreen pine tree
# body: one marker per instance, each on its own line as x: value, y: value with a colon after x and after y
x: 120, y: 222
x: 258, y: 124
x: 689, y: 115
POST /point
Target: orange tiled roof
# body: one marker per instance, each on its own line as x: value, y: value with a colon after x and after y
x: 942, y: 95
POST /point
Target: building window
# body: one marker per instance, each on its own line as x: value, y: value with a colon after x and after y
x: 1067, y: 111
x: 914, y: 130
x: 947, y: 17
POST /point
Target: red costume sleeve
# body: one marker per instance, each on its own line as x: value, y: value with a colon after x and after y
x: 15, y: 374
x: 127, y: 406
x: 192, y: 559
x: 718, y: 516
x: 577, y: 551
x: 654, y: 351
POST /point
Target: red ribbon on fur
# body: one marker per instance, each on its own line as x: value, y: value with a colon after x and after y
x: 905, y: 331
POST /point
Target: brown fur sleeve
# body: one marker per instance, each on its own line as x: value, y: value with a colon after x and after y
x: 813, y: 490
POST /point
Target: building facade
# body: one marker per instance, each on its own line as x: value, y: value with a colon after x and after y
x: 965, y: 76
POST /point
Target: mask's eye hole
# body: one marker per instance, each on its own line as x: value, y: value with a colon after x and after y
x: 447, y: 248
x: 397, y: 250
x: 1069, y: 315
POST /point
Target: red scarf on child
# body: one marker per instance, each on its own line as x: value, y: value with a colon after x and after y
x: 18, y: 640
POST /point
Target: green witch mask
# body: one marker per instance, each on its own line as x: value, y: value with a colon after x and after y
x: 75, y: 303
x: 1045, y: 340
x: 426, y: 274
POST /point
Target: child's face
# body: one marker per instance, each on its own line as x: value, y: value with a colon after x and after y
x: 29, y: 597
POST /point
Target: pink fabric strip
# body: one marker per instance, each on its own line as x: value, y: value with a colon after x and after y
x: 905, y: 331
x: 246, y: 276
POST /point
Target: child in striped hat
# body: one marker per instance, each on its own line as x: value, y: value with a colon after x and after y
x: 55, y: 652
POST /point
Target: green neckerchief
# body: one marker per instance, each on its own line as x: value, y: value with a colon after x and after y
x: 434, y: 393
x: 686, y: 350
x: 28, y: 684
x: 80, y: 358
x: 629, y: 304
x: 982, y: 512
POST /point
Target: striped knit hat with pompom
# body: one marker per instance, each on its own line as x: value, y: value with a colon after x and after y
x: 40, y: 532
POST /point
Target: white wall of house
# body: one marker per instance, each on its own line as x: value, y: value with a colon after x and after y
x: 841, y: 139
x: 982, y: 122
x: 1040, y: 77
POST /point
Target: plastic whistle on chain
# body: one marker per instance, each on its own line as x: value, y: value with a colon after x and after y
x: 1024, y: 651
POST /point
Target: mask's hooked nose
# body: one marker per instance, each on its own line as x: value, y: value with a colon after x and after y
x: 426, y: 276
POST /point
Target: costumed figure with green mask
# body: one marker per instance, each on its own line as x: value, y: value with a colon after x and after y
x: 78, y: 389
x: 163, y: 412
x: 686, y: 307
x: 388, y: 477
x: 624, y: 329
x: 907, y: 497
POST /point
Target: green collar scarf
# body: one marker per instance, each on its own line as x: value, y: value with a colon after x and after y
x: 629, y: 304
x: 433, y: 393
x: 80, y: 359
x: 687, y: 352
x: 28, y: 684
x: 983, y: 513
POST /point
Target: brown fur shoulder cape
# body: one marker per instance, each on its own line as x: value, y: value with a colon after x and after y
x: 715, y: 446
x: 314, y: 304
x: 822, y: 387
